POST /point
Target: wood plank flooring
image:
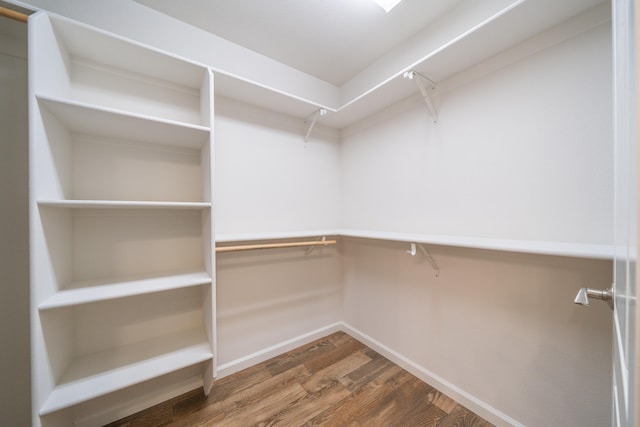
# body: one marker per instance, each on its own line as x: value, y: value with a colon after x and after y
x: 334, y: 381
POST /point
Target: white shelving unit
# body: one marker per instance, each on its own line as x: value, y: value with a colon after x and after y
x: 122, y: 248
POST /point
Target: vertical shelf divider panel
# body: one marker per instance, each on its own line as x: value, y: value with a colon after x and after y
x: 121, y: 219
x: 208, y: 250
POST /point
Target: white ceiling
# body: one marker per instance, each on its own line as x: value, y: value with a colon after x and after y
x: 332, y: 40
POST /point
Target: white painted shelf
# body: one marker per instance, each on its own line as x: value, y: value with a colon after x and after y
x: 121, y: 204
x: 381, y: 86
x: 121, y: 176
x: 86, y: 118
x: 101, y: 154
x: 86, y: 292
x: 97, y: 374
x: 577, y: 250
x: 126, y: 55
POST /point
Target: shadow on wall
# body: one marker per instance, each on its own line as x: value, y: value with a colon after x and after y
x: 15, y: 396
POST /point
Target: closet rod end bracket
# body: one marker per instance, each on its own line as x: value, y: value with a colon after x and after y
x: 311, y: 121
x: 428, y: 90
x: 412, y: 251
x: 311, y: 248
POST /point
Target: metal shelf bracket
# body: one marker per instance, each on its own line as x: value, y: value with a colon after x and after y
x: 311, y: 248
x: 412, y: 251
x: 427, y: 88
x: 311, y: 121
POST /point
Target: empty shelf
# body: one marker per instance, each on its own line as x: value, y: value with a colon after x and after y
x: 82, y: 293
x: 119, y: 204
x: 108, y: 371
x: 90, y: 119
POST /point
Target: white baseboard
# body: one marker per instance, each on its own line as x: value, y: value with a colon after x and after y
x: 469, y: 401
x: 275, y: 350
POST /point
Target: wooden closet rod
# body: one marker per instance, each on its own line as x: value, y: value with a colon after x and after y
x: 12, y: 14
x: 274, y: 245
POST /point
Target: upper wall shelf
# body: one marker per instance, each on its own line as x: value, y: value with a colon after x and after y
x: 471, y: 33
x: 383, y: 85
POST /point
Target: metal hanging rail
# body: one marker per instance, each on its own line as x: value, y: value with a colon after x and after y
x: 12, y: 14
x: 275, y: 245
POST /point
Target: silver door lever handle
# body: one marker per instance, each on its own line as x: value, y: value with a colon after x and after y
x: 602, y: 294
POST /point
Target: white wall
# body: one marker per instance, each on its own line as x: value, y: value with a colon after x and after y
x: 15, y: 397
x: 267, y: 179
x: 523, y: 153
x: 500, y: 327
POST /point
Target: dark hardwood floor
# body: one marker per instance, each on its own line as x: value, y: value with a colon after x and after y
x: 335, y: 381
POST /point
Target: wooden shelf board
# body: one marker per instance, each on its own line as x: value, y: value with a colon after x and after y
x: 89, y: 119
x: 86, y: 292
x: 108, y: 371
x: 122, y: 204
x: 245, y: 237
